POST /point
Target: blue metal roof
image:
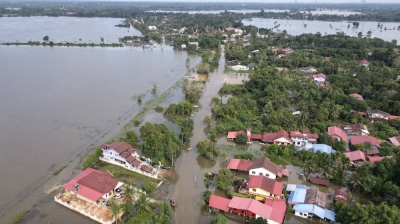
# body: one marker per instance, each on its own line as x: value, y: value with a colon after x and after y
x: 323, y: 148
x: 297, y: 196
x: 330, y: 215
x: 316, y: 210
x: 304, y: 208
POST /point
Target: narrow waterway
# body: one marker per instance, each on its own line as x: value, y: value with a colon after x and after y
x: 190, y: 167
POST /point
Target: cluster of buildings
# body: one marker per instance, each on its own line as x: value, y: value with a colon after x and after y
x: 320, y: 80
x: 286, y: 51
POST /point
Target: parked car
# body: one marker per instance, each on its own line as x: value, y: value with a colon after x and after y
x: 143, y: 158
x: 106, y: 203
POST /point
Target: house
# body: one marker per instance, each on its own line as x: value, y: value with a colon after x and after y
x: 319, y: 181
x: 121, y: 152
x: 219, y: 203
x: 355, y: 140
x: 261, y: 166
x: 233, y: 134
x: 373, y: 159
x: 309, y: 69
x: 356, y: 129
x: 377, y: 115
x: 272, y: 211
x: 316, y: 197
x: 240, y: 67
x: 373, y: 152
x: 293, y: 187
x: 183, y: 46
x: 91, y: 185
x: 323, y: 148
x: 320, y: 77
x: 280, y: 138
x: 303, y: 137
x: 337, y: 134
x: 364, y: 63
x: 308, y: 211
x: 355, y: 156
x: 340, y: 195
x: 263, y: 187
x: 357, y: 96
x: 395, y: 140
x: 298, y: 196
x: 152, y: 27
x: 196, y: 44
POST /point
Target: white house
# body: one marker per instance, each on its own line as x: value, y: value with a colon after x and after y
x: 121, y: 152
x: 320, y: 77
x: 301, y: 138
x: 265, y: 167
x: 239, y: 67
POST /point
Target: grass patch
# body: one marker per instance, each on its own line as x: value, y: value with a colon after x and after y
x: 59, y: 170
x: 53, y: 192
x: 18, y: 218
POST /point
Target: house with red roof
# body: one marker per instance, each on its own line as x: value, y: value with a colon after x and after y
x: 340, y: 195
x: 219, y: 203
x: 364, y: 63
x: 395, y: 140
x: 91, y: 185
x: 320, y: 77
x: 263, y: 187
x: 281, y: 138
x: 301, y: 138
x: 355, y: 140
x: 357, y: 96
x: 261, y: 166
x: 355, y: 156
x: 254, y: 209
x: 373, y: 159
x: 233, y: 134
x: 337, y: 134
x: 121, y: 152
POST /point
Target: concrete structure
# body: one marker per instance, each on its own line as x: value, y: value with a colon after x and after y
x: 240, y: 68
x: 302, y: 138
x: 121, y: 152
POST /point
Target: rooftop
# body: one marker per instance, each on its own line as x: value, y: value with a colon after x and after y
x: 219, y: 203
x: 354, y: 140
x: 266, y: 184
x: 335, y: 131
x: 355, y: 155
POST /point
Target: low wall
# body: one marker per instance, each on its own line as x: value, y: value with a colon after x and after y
x: 155, y: 176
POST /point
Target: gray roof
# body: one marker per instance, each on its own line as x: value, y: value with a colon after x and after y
x: 378, y: 112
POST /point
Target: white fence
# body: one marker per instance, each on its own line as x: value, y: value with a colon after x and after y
x: 137, y: 170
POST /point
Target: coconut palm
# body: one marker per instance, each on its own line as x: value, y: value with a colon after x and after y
x: 114, y: 209
x: 129, y: 194
x: 143, y: 204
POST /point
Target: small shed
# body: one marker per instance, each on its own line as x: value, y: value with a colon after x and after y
x: 319, y: 181
x: 340, y: 195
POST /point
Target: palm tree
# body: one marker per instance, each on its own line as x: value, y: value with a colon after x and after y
x: 129, y: 193
x: 115, y: 209
x: 143, y: 203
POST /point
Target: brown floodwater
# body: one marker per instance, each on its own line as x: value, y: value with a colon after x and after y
x: 58, y: 102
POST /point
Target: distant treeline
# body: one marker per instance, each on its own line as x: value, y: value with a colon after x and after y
x: 67, y: 44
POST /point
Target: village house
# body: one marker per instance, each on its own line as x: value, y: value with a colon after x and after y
x: 308, y: 211
x: 152, y: 27
x: 320, y: 77
x: 233, y: 134
x: 374, y: 159
x: 240, y: 68
x: 237, y: 31
x: 355, y: 140
x: 121, y: 152
x: 261, y: 166
x: 395, y: 140
x: 364, y: 63
x: 319, y: 181
x: 307, y: 196
x: 219, y: 203
x: 323, y: 148
x: 356, y: 129
x: 263, y: 187
x: 357, y: 96
x: 355, y: 156
x: 340, y: 195
x: 196, y: 44
x: 297, y: 196
x: 293, y: 187
x: 327, y: 58
x: 91, y: 185
x: 337, y: 134
x: 309, y: 69
x: 281, y: 138
x: 377, y: 115
x: 302, y: 138
x: 272, y: 211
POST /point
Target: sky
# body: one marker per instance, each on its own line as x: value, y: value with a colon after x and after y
x: 275, y: 1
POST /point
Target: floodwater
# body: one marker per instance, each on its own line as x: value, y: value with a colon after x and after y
x: 244, y: 11
x: 296, y: 27
x: 331, y: 12
x: 60, y: 101
x: 70, y: 29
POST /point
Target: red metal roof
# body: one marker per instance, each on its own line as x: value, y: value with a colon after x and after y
x: 251, y: 205
x: 356, y: 95
x: 219, y: 203
x: 364, y: 62
x: 340, y: 195
x: 266, y: 184
x: 335, y: 131
x: 121, y: 147
x: 146, y: 169
x: 234, y: 134
x: 373, y: 159
x: 256, y: 136
x: 395, y: 140
x: 319, y: 75
x: 132, y: 160
x: 373, y: 152
x: 239, y: 164
x: 272, y: 137
x: 354, y: 140
x: 93, y: 184
x: 297, y: 134
x: 355, y: 155
x: 319, y: 181
x: 278, y: 209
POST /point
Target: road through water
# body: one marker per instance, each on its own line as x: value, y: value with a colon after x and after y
x: 190, y: 167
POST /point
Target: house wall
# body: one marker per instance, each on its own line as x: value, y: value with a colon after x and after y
x: 303, y: 215
x: 319, y: 79
x: 112, y: 154
x: 282, y: 141
x: 243, y: 212
x: 299, y: 141
x: 378, y: 116
x: 261, y: 193
x: 262, y: 172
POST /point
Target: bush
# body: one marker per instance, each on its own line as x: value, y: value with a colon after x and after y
x: 93, y: 158
x: 221, y: 185
x: 159, y: 109
x: 241, y: 139
x: 149, y: 187
x: 247, y: 156
x: 203, y: 68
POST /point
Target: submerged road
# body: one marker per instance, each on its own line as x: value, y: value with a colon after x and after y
x: 188, y: 187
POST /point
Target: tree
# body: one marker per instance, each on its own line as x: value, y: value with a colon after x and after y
x: 356, y: 24
x: 219, y: 219
x: 260, y: 220
x: 142, y: 204
x: 207, y: 120
x: 128, y: 196
x: 114, y: 209
x: 149, y: 187
x: 132, y: 139
x: 102, y: 39
x: 241, y: 139
x: 46, y: 38
x: 226, y: 177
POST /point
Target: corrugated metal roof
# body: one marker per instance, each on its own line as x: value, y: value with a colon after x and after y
x: 323, y: 148
x: 330, y: 215
x: 316, y: 210
x: 297, y: 196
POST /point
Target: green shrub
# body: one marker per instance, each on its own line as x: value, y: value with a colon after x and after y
x: 149, y: 187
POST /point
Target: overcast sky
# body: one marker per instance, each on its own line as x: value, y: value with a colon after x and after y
x: 273, y: 1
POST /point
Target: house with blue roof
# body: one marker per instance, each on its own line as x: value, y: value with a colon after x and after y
x: 323, y: 148
x: 298, y: 196
x: 293, y: 187
x: 309, y: 211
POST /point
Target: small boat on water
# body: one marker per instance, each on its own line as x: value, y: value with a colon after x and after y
x: 172, y: 202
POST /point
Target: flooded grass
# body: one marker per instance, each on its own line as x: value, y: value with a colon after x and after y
x: 59, y: 170
x: 18, y: 218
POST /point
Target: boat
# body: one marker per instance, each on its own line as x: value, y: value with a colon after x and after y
x: 189, y: 149
x: 172, y: 202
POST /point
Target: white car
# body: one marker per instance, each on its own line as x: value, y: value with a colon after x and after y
x: 118, y: 196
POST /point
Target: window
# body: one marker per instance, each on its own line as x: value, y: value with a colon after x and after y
x: 110, y: 153
x: 255, y: 190
x: 267, y: 175
x: 260, y: 173
x: 253, y: 172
